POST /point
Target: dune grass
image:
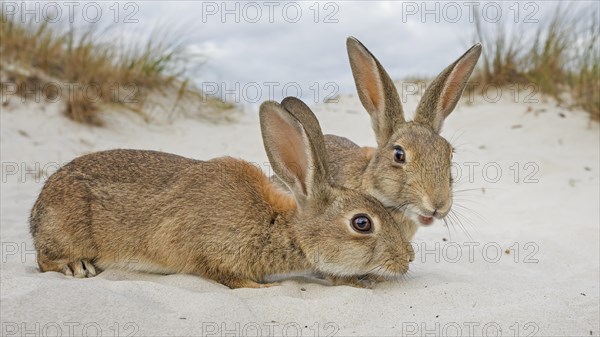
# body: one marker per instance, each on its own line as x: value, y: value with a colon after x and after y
x: 96, y: 71
x: 560, y: 57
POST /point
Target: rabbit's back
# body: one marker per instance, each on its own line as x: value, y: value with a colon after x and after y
x: 154, y: 211
x: 95, y: 198
x: 347, y: 161
x: 126, y: 178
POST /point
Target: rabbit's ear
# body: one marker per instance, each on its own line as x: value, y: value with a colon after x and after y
x: 296, y: 151
x: 376, y: 91
x: 299, y: 110
x: 444, y: 92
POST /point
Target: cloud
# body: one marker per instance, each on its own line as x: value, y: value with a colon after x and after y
x: 253, y: 43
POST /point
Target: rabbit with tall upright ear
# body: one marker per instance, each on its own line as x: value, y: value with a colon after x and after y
x: 409, y: 171
x: 221, y: 219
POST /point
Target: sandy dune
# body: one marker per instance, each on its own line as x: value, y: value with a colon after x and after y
x: 530, y: 266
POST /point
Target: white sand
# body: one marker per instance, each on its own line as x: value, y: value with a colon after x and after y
x: 554, y: 222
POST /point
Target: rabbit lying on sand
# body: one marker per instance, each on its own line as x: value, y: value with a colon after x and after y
x: 221, y: 219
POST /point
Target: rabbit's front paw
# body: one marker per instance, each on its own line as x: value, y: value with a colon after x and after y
x: 80, y: 269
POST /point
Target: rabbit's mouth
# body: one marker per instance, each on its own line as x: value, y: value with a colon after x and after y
x: 414, y: 212
x: 425, y: 220
x: 425, y: 216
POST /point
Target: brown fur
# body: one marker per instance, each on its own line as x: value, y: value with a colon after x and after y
x: 423, y: 185
x: 221, y: 219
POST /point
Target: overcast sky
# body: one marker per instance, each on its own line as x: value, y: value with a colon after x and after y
x: 304, y: 42
x: 266, y: 45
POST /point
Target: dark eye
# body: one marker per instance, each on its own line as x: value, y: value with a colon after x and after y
x: 362, y: 223
x: 399, y: 155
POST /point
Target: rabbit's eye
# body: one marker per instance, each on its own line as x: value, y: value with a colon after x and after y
x: 399, y: 155
x: 362, y: 223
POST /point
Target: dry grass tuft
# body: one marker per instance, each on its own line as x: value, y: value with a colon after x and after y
x: 561, y: 56
x: 53, y: 59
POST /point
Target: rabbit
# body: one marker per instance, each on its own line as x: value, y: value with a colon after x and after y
x: 409, y: 171
x: 221, y: 219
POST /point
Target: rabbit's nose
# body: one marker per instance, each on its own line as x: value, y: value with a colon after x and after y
x: 433, y: 205
x: 438, y: 206
x: 441, y: 208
